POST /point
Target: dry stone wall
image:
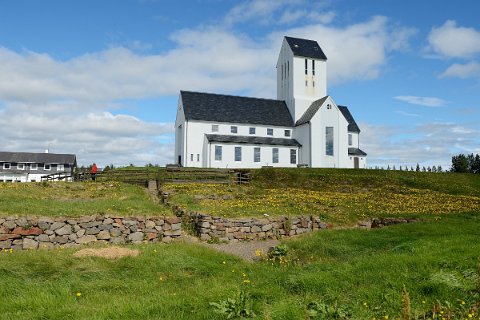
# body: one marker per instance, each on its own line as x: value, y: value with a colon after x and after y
x: 45, y: 232
x: 208, y: 227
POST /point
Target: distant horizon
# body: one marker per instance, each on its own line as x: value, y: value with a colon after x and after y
x: 107, y: 90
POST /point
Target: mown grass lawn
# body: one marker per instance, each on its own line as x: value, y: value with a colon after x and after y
x: 358, y: 273
x: 337, y: 196
x: 73, y: 199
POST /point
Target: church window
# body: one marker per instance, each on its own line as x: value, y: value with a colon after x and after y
x: 329, y: 141
x: 33, y: 166
x: 350, y: 139
x: 6, y: 166
x: 288, y: 69
x: 251, y: 130
x: 293, y: 156
x: 218, y: 153
x: 269, y: 132
x: 313, y: 67
x: 20, y: 166
x: 275, y: 155
x: 287, y: 133
x: 256, y: 154
x: 313, y: 84
x: 306, y: 66
x: 191, y: 157
x: 306, y: 83
x: 214, y: 127
x: 282, y: 71
x: 233, y: 129
x: 238, y: 153
x: 198, y: 157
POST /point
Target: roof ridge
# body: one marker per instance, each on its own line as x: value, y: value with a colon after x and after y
x: 230, y: 95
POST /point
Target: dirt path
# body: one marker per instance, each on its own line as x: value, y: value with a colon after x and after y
x: 245, y: 249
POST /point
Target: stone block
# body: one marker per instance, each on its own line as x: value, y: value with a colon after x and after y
x: 267, y: 227
x: 115, y: 232
x: 43, y: 225
x: 86, y: 239
x: 108, y: 221
x: 136, y: 237
x: 43, y: 238
x: 167, y: 226
x: 60, y: 239
x: 129, y: 223
x: 56, y: 225
x: 10, y: 225
x: 29, y: 244
x: 72, y: 237
x: 5, y: 244
x: 167, y: 239
x: 173, y: 220
x: 150, y: 224
x: 176, y: 226
x: 90, y: 231
x: 4, y: 237
x: 256, y: 229
x: 2, y: 220
x: 205, y: 237
x: 105, y: 226
x: 103, y: 235
x: 173, y: 233
x: 65, y: 230
x: 80, y: 233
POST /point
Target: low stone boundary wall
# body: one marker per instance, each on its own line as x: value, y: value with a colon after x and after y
x: 45, y: 232
x: 209, y: 228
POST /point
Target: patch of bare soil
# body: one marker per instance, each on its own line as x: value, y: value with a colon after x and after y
x: 111, y: 253
x: 246, y: 249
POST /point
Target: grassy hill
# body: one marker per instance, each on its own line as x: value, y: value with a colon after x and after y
x: 340, y: 196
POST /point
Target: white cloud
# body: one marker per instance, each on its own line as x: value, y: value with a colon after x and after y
x: 67, y: 104
x: 427, y: 143
x: 463, y: 71
x: 406, y: 114
x: 260, y: 10
x: 454, y: 41
x: 422, y: 101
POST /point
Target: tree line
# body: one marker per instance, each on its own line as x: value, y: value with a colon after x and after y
x: 466, y: 163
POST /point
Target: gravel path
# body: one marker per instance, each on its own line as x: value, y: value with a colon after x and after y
x: 245, y: 249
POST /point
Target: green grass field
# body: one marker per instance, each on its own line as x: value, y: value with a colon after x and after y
x: 76, y: 199
x: 335, y: 274
x: 339, y: 196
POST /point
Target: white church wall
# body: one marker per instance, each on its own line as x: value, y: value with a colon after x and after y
x: 247, y: 156
x: 197, y: 145
x: 179, y: 133
x: 302, y: 135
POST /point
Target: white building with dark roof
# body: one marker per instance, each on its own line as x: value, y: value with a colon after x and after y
x: 302, y: 127
x: 31, y: 167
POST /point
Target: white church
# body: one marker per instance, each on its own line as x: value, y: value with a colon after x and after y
x: 303, y: 127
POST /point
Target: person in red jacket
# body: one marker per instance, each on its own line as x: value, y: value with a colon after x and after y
x: 93, y: 172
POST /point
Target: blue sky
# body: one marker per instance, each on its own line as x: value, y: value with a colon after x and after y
x: 101, y: 78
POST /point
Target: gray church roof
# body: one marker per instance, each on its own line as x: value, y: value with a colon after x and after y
x: 356, y: 152
x: 308, y: 115
x: 313, y: 108
x: 30, y: 157
x: 352, y: 125
x: 235, y: 109
x: 253, y: 140
x: 306, y: 48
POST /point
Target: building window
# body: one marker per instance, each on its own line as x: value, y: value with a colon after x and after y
x: 282, y: 71
x: 313, y: 84
x: 306, y: 83
x: 33, y: 166
x: 60, y: 167
x: 293, y: 156
x: 306, y: 66
x: 269, y: 132
x: 238, y: 153
x: 287, y: 133
x: 275, y: 155
x: 313, y: 67
x: 218, y: 153
x: 256, y: 154
x: 288, y: 69
x: 20, y: 166
x: 198, y: 157
x: 329, y: 141
x: 350, y: 139
x: 251, y: 130
x: 233, y: 129
x: 6, y: 166
x: 191, y: 157
x: 47, y: 167
x: 214, y: 127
